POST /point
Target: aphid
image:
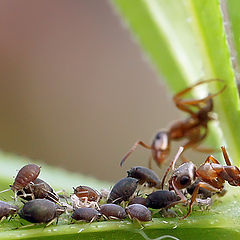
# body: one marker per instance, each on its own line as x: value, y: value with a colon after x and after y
x: 25, y: 176
x: 112, y: 211
x: 139, y: 212
x: 138, y: 200
x: 6, y: 209
x: 211, y: 173
x: 86, y: 214
x: 41, y: 211
x: 85, y: 196
x: 123, y: 190
x: 204, y: 193
x: 38, y: 189
x: 162, y: 199
x: 145, y: 175
x: 194, y: 128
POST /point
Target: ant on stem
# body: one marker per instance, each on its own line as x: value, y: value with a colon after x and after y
x: 194, y: 128
x: 211, y: 175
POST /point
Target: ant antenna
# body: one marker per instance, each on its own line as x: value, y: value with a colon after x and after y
x: 132, y: 149
x: 172, y: 164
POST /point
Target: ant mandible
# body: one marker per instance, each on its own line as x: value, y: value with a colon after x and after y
x: 194, y: 128
x: 211, y: 174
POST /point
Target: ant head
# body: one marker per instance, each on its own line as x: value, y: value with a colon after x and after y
x: 161, y: 141
x: 184, y: 175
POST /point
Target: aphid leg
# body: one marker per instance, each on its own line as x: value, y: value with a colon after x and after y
x: 225, y: 155
x: 105, y: 217
x: 49, y: 223
x: 93, y: 219
x: 133, y: 148
x: 116, y: 199
x: 113, y: 218
x: 172, y: 164
x: 195, y: 192
x: 3, y: 218
x: 141, y: 224
x: 26, y: 226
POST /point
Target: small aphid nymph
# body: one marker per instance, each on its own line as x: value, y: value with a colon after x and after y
x: 86, y: 214
x: 112, y: 211
x: 139, y: 213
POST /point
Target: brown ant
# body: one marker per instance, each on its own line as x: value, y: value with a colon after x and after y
x: 211, y: 173
x: 194, y: 128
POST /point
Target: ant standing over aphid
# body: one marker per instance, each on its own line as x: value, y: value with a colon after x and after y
x: 194, y: 128
x: 211, y: 174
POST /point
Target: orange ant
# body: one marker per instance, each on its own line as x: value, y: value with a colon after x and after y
x: 211, y: 175
x: 194, y: 128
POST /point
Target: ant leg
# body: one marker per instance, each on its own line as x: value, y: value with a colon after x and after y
x: 196, y: 102
x: 225, y: 155
x: 184, y: 105
x: 194, y: 141
x: 204, y: 150
x: 211, y: 158
x: 195, y: 192
x: 180, y: 150
x: 179, y: 193
x: 133, y: 148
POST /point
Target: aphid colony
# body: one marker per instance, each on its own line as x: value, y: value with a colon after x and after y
x: 141, y: 189
x: 127, y: 197
x: 42, y: 205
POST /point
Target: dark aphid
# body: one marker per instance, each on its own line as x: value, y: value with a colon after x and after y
x: 40, y: 211
x: 26, y: 175
x: 112, y: 211
x: 6, y: 209
x: 86, y: 214
x: 139, y: 212
x: 145, y: 175
x: 123, y: 190
x: 138, y: 200
x: 38, y: 189
x: 203, y: 192
x: 162, y: 199
x: 87, y: 192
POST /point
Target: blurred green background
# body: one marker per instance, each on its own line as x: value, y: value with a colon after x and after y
x: 76, y: 90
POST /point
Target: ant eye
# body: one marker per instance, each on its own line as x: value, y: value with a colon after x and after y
x: 159, y: 135
x: 185, y: 180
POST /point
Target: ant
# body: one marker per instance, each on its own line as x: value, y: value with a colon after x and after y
x: 194, y: 128
x: 211, y: 175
